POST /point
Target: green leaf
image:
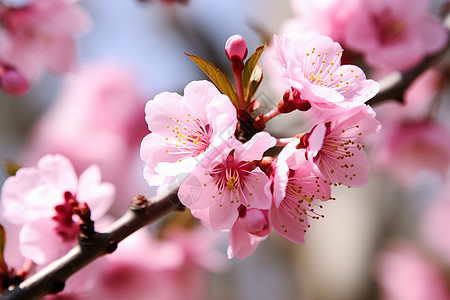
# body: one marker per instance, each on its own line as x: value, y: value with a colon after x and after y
x: 11, y: 167
x: 249, y: 67
x: 217, y: 77
x: 255, y: 80
x: 3, y: 266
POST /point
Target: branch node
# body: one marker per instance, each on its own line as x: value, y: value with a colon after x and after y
x: 139, y: 203
x: 111, y: 246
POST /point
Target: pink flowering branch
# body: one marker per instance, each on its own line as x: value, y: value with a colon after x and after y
x: 51, y: 279
x: 397, y: 85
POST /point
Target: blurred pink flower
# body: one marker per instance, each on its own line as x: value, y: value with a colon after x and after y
x: 404, y: 273
x: 395, y: 35
x: 228, y: 179
x: 178, y: 136
x: 334, y: 149
x: 174, y: 267
x: 335, y: 15
x: 37, y: 200
x: 97, y: 118
x: 406, y: 149
x: 417, y: 100
x: 313, y: 67
x: 41, y: 36
x: 411, y: 141
x: 435, y: 229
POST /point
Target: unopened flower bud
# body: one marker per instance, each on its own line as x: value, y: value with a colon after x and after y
x: 236, y: 48
x: 266, y: 164
x: 292, y: 100
x: 13, y: 83
x: 254, y: 221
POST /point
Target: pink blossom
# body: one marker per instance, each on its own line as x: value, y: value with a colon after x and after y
x: 404, y: 273
x: 410, y: 141
x: 334, y: 150
x: 313, y: 67
x: 178, y: 136
x: 37, y: 200
x: 227, y: 180
x: 98, y: 119
x: 41, y: 36
x: 391, y: 36
x: 248, y: 231
x: 334, y: 16
x: 408, y: 148
x: 298, y: 194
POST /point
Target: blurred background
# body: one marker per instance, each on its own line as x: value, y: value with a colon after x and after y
x: 144, y: 43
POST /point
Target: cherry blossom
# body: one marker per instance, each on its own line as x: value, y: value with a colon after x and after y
x: 178, y: 136
x: 313, y: 67
x: 404, y: 273
x: 335, y: 15
x: 334, y: 150
x: 40, y: 35
x: 393, y: 37
x: 407, y: 149
x: 298, y: 194
x: 79, y: 126
x: 227, y: 180
x: 37, y: 199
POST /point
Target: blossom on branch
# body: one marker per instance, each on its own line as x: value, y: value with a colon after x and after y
x: 395, y: 35
x: 313, y: 67
x: 298, y: 194
x: 228, y: 180
x: 37, y: 201
x: 40, y: 35
x: 334, y: 149
x: 183, y: 127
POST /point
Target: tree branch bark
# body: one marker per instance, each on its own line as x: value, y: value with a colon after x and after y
x: 51, y: 279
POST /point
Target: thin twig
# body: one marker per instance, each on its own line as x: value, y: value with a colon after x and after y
x: 396, y: 85
x: 51, y: 279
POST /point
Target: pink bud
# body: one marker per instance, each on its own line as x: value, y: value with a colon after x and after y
x: 13, y: 83
x: 292, y: 100
x: 254, y: 221
x: 236, y: 48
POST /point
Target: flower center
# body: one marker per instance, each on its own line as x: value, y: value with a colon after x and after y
x: 66, y: 228
x: 390, y: 28
x: 191, y: 137
x: 230, y: 174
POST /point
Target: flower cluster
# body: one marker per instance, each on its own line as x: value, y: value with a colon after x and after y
x: 215, y: 148
x: 37, y: 203
x: 385, y: 33
x: 35, y: 36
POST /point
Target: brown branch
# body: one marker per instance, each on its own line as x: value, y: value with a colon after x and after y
x: 398, y: 83
x: 51, y: 279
